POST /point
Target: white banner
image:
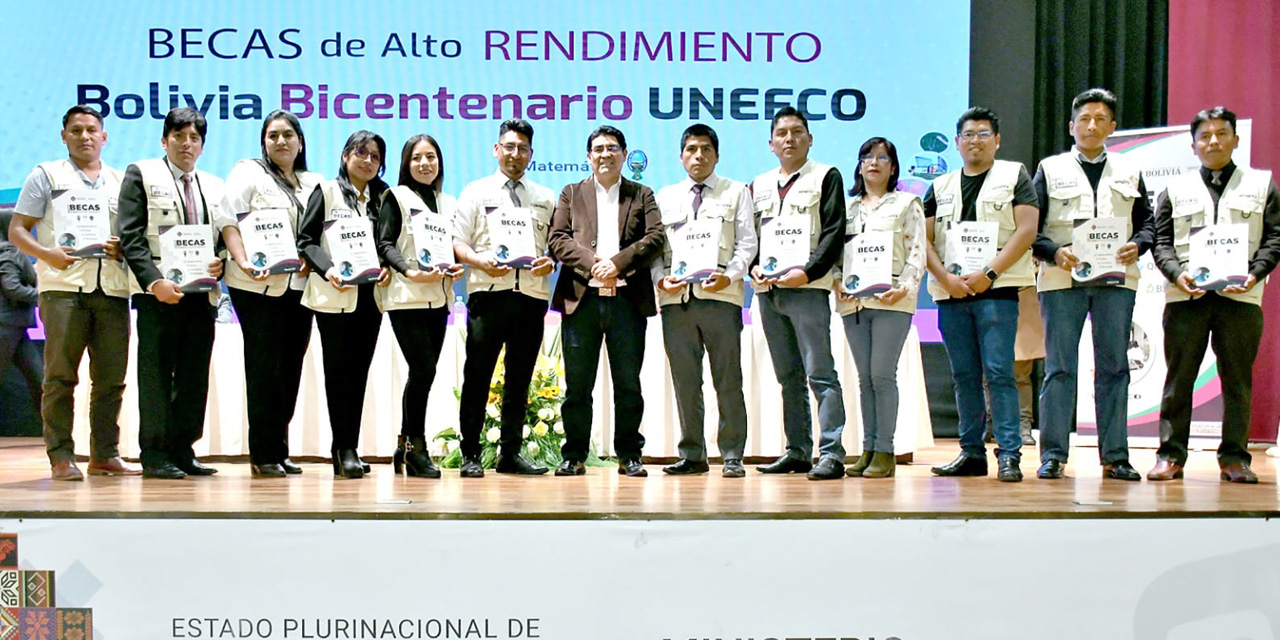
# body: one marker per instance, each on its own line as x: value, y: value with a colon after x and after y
x: 1162, y: 153
x: 661, y: 580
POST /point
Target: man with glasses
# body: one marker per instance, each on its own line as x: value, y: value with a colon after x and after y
x: 607, y: 231
x: 980, y: 221
x: 1077, y: 189
x: 505, y: 305
x: 795, y: 306
x: 1222, y: 195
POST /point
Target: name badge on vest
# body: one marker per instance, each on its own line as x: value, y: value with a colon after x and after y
x: 341, y: 214
x: 158, y: 191
x: 944, y: 200
x: 1064, y: 183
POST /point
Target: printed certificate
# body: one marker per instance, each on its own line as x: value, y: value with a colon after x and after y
x: 784, y: 244
x: 1219, y: 256
x: 185, y: 253
x: 695, y: 249
x: 351, y: 246
x: 868, y: 264
x: 268, y: 241
x: 511, y: 236
x: 82, y: 222
x: 1095, y: 243
x: 971, y: 246
x: 432, y: 238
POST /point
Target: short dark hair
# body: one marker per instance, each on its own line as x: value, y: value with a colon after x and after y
x: 859, y: 187
x: 376, y: 186
x: 81, y: 109
x: 300, y: 162
x: 406, y: 155
x: 181, y: 117
x: 978, y: 114
x: 1214, y: 113
x: 788, y: 111
x: 702, y: 131
x: 518, y: 125
x: 1097, y: 94
x: 606, y: 130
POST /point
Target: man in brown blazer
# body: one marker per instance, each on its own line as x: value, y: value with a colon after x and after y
x: 606, y: 294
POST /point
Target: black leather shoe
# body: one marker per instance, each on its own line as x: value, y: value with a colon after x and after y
x: 518, y: 465
x: 631, y: 467
x: 826, y: 469
x: 571, y: 468
x: 347, y: 464
x: 193, y: 467
x: 1121, y: 470
x: 267, y: 470
x: 1009, y: 470
x: 687, y: 468
x: 290, y: 467
x: 786, y: 464
x: 364, y: 466
x: 733, y: 469
x: 163, y: 471
x: 963, y: 465
x: 471, y: 468
x: 1050, y: 470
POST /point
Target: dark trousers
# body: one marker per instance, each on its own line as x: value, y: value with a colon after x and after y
x: 175, y: 343
x: 494, y: 320
x: 73, y: 323
x: 616, y: 323
x: 348, y: 341
x: 277, y: 330
x: 1234, y: 329
x: 713, y: 327
x: 16, y: 347
x: 420, y: 334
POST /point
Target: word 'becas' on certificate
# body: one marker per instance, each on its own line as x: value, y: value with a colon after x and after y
x: 185, y: 253
x: 971, y: 246
x: 268, y: 240
x: 349, y: 242
x: 1095, y: 243
x: 784, y: 244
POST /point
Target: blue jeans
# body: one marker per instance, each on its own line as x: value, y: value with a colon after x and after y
x: 979, y: 337
x: 1111, y: 310
x: 797, y: 326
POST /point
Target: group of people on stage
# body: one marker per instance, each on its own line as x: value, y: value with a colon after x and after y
x: 978, y: 232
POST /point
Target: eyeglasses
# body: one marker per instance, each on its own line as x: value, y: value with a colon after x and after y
x: 363, y: 153
x: 970, y: 136
x: 882, y: 159
x: 606, y: 148
x: 511, y: 147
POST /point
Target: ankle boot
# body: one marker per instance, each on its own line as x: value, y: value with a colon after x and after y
x: 882, y: 466
x: 347, y: 464
x: 417, y: 459
x: 397, y: 459
x: 855, y: 470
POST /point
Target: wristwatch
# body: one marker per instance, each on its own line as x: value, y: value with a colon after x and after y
x: 991, y: 274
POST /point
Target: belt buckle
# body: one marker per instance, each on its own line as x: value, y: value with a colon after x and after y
x: 608, y: 292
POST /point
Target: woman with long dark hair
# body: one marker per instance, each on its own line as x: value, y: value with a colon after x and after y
x: 876, y: 327
x: 417, y: 298
x: 346, y: 314
x: 275, y: 326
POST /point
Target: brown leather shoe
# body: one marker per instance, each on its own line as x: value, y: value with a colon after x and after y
x: 112, y: 467
x: 1165, y: 470
x: 1239, y: 472
x: 66, y: 470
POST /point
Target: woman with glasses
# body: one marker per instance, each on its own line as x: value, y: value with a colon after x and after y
x: 275, y: 325
x: 346, y: 313
x: 876, y: 324
x: 417, y: 298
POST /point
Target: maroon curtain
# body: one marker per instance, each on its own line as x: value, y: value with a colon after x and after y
x: 1227, y: 52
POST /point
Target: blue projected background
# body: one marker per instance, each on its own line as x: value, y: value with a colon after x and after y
x: 898, y: 69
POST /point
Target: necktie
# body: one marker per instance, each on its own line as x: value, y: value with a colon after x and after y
x: 511, y: 188
x: 697, y: 196
x: 1217, y: 178
x: 193, y: 216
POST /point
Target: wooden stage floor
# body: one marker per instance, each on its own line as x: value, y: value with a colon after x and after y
x: 26, y: 491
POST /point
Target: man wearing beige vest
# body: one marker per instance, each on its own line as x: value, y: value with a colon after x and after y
x: 1078, y: 190
x: 980, y: 221
x: 84, y: 301
x: 1219, y: 194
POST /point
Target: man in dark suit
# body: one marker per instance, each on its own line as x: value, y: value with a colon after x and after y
x: 605, y: 293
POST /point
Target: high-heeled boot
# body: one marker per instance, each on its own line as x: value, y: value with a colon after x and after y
x: 347, y: 464
x: 417, y: 460
x: 882, y: 466
x: 855, y: 470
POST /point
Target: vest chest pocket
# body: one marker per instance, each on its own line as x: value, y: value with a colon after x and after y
x: 997, y: 206
x: 1247, y: 210
x: 1184, y: 218
x: 723, y: 215
x: 162, y: 213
